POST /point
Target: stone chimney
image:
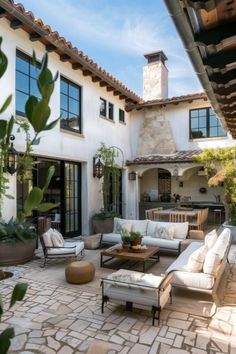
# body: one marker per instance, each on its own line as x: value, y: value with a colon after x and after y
x: 155, y: 76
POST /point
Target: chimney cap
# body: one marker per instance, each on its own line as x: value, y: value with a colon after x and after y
x: 156, y: 56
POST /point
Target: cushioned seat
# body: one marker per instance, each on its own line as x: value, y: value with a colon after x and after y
x: 79, y: 272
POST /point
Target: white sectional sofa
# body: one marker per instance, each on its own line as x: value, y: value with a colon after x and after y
x: 178, y: 231
x: 209, y: 262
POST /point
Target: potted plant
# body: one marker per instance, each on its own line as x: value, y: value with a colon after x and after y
x: 220, y: 170
x: 17, y: 238
x: 135, y: 238
x: 125, y: 238
x: 103, y: 221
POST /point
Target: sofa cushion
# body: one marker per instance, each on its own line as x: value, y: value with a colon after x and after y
x: 193, y: 280
x: 196, y: 259
x: 210, y: 239
x: 164, y: 232
x: 111, y: 238
x: 162, y: 243
x: 181, y: 228
x: 129, y: 276
x: 140, y: 226
x: 47, y: 238
x: 211, y: 263
x: 222, y: 243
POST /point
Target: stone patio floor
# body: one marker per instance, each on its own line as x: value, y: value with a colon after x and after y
x: 62, y: 318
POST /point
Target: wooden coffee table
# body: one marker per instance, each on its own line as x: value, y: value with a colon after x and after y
x: 151, y: 253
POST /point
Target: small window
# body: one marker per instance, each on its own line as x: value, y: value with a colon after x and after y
x: 103, y: 107
x: 121, y: 116
x: 204, y: 124
x: 70, y: 105
x: 26, y: 84
x: 110, y: 110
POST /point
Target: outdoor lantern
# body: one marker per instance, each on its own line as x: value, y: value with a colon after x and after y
x: 11, y: 158
x: 98, y: 168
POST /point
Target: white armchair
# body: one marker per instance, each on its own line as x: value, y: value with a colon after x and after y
x: 54, y: 246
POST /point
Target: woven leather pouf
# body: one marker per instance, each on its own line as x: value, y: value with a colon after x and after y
x: 79, y: 272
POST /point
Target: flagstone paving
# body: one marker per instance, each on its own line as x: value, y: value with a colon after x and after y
x: 65, y: 320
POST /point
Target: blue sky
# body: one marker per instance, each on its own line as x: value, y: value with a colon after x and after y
x: 116, y: 34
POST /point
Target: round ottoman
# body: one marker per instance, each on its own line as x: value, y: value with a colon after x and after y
x: 79, y: 272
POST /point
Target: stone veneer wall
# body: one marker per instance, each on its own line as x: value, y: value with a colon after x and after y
x: 155, y: 135
x: 155, y: 81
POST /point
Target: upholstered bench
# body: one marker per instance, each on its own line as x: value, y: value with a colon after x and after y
x: 79, y: 272
x: 144, y: 290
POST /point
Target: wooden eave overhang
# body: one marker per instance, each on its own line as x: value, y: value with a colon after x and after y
x: 18, y: 17
x: 208, y: 31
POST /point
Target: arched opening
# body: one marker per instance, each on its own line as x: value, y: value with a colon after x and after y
x: 155, y: 185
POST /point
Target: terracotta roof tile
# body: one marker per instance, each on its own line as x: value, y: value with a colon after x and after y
x: 178, y: 156
x: 58, y: 39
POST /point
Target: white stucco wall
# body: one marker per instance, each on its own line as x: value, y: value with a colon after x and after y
x: 61, y: 144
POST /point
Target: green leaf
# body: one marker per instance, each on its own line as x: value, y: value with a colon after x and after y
x: 43, y: 207
x: 52, y: 125
x: 18, y: 293
x: 46, y: 83
x: 5, y: 342
x: 3, y: 128
x: 30, y: 106
x: 10, y: 126
x: 50, y: 173
x: 33, y: 200
x: 21, y: 217
x: 40, y: 115
x: 6, y: 104
x: 3, y: 61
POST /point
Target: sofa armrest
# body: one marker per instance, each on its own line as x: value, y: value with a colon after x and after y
x: 196, y: 234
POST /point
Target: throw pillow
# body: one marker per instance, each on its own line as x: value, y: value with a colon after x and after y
x: 47, y: 238
x: 211, y: 263
x: 56, y: 240
x: 59, y: 235
x: 164, y: 232
x: 222, y: 243
x: 210, y: 239
x: 123, y: 225
x: 196, y: 260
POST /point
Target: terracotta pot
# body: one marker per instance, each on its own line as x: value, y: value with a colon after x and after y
x: 136, y: 242
x: 103, y: 226
x: 16, y: 253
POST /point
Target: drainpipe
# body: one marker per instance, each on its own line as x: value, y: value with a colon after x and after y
x: 186, y: 34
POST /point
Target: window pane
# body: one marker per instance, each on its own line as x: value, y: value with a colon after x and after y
x: 203, y: 132
x: 34, y: 88
x: 121, y: 115
x: 214, y: 121
x: 221, y: 131
x: 102, y: 107
x: 22, y: 64
x: 74, y: 106
x: 195, y: 134
x: 194, y: 123
x: 74, y: 92
x: 202, y: 112
x: 64, y: 102
x: 73, y: 122
x: 213, y: 131
x: 22, y: 82
x: 110, y: 113
x: 202, y: 122
x: 21, y: 99
x: 64, y: 87
x: 194, y: 113
x: 34, y: 71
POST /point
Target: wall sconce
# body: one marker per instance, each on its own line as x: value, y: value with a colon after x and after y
x: 11, y: 157
x: 132, y: 176
x: 98, y: 168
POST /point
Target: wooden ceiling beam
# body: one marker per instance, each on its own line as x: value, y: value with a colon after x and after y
x: 64, y: 58
x: 221, y: 59
x: 3, y: 12
x: 212, y: 36
x: 225, y: 90
x: 109, y: 89
x: 219, y: 78
x: 227, y: 100
x: 35, y: 37
x: 122, y: 97
x: 95, y: 78
x: 103, y: 83
x: 86, y: 72
x: 50, y: 48
x: 116, y: 93
x: 76, y: 66
x: 15, y: 24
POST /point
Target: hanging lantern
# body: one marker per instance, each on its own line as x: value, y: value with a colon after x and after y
x: 11, y: 158
x: 98, y: 168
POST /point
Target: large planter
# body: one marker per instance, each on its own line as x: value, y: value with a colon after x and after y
x: 232, y: 229
x: 103, y: 226
x: 16, y: 253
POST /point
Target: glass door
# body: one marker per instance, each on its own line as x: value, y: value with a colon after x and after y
x: 72, y: 197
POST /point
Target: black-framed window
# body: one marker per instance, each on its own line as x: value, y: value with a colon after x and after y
x: 26, y: 84
x: 103, y: 107
x: 121, y: 115
x: 110, y: 111
x: 70, y: 105
x: 204, y: 124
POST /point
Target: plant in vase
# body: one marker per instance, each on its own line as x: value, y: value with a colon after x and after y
x: 125, y: 238
x: 135, y: 240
